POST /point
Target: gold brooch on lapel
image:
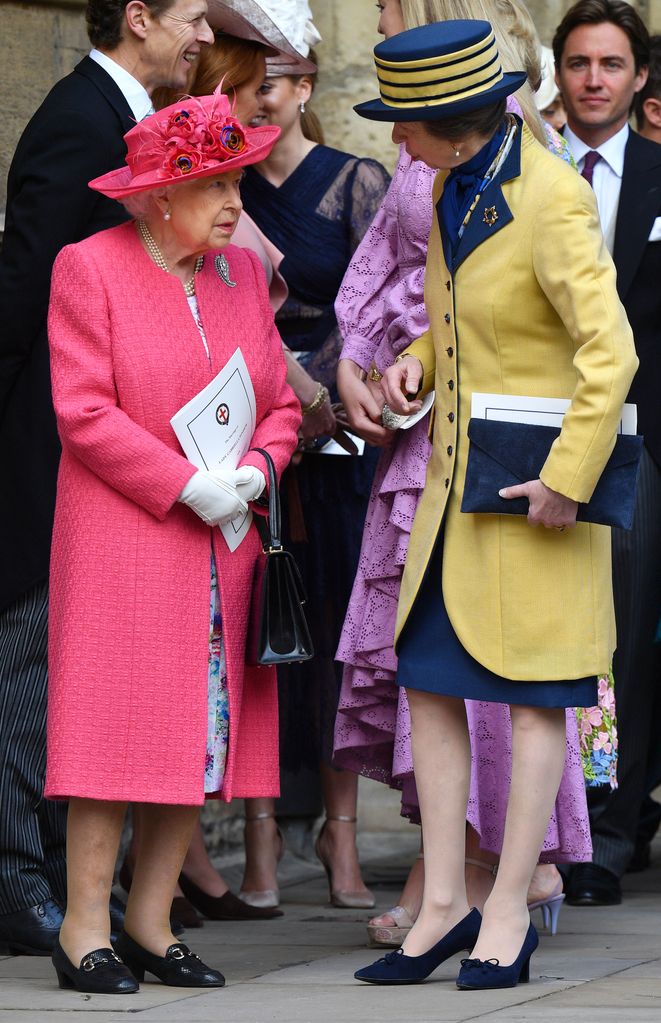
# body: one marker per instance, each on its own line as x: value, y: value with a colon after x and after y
x: 490, y: 216
x: 223, y: 271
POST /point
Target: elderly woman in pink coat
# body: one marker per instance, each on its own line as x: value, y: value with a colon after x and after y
x: 150, y: 699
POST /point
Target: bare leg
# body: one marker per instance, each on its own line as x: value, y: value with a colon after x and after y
x: 538, y: 756
x: 545, y: 881
x: 132, y: 851
x: 338, y: 841
x: 263, y: 847
x: 199, y: 868
x: 94, y: 829
x: 442, y: 761
x: 165, y: 836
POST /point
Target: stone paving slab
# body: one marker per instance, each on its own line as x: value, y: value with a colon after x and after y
x: 604, y: 966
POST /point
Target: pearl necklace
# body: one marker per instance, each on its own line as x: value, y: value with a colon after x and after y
x: 157, y: 256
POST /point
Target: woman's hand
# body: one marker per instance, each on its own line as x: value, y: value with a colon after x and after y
x: 547, y: 507
x: 318, y: 424
x: 400, y: 384
x: 363, y: 401
x: 213, y: 495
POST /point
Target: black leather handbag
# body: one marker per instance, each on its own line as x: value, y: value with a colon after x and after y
x: 278, y: 631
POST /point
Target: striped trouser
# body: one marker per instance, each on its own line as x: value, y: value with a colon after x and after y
x: 32, y: 829
x: 636, y: 669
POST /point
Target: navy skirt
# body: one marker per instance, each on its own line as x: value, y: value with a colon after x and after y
x: 431, y: 659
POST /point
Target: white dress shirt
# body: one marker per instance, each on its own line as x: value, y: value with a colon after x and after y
x: 133, y: 92
x: 607, y: 174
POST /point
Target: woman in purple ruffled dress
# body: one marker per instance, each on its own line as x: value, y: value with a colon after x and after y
x: 380, y: 310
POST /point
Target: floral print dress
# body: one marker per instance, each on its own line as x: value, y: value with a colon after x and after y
x: 218, y: 715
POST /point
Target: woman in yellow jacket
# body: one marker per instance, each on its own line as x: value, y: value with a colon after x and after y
x: 521, y: 297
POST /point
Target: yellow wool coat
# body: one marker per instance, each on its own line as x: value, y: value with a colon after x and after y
x: 530, y: 309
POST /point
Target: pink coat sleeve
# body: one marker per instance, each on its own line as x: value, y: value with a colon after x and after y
x: 277, y: 428
x: 91, y: 424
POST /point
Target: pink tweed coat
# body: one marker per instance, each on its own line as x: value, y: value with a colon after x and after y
x: 130, y: 566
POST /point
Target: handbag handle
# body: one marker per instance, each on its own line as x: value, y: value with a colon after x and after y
x: 274, y: 517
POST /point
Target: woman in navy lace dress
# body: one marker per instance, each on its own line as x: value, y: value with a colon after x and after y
x: 315, y: 204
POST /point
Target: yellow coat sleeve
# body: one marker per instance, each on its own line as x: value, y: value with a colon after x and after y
x: 575, y: 271
x: 423, y: 349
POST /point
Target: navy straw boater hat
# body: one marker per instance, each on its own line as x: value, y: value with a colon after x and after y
x: 439, y: 70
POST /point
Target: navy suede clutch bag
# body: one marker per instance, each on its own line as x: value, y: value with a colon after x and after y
x: 503, y: 454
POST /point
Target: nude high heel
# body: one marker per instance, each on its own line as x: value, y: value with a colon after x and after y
x: 268, y: 898
x: 339, y: 899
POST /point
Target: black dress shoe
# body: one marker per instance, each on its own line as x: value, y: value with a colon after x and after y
x: 101, y: 972
x: 179, y: 967
x: 31, y: 932
x: 592, y: 885
x: 224, y: 907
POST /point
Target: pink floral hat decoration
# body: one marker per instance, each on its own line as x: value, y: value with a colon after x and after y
x: 198, y: 137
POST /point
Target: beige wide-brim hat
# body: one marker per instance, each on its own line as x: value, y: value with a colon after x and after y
x: 548, y: 91
x: 246, y: 19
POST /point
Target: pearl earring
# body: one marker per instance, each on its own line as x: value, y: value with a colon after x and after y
x: 167, y: 215
x: 302, y: 107
x: 456, y: 151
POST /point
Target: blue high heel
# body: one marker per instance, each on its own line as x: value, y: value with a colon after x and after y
x: 480, y: 975
x: 397, y: 968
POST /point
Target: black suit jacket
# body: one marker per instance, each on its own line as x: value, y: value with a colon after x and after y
x: 75, y: 135
x: 638, y: 264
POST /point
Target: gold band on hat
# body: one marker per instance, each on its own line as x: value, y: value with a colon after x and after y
x: 433, y: 81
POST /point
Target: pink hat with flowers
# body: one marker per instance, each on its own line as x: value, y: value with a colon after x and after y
x: 198, y: 137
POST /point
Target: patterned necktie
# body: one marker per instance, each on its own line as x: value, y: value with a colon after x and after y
x: 592, y: 157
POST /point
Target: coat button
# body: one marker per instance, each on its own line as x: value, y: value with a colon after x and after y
x: 451, y: 384
x: 447, y: 317
x: 448, y: 285
x: 450, y: 352
x: 449, y: 449
x: 447, y: 484
x: 451, y: 416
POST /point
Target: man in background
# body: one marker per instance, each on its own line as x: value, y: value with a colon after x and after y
x: 75, y: 135
x: 647, y: 104
x: 601, y: 51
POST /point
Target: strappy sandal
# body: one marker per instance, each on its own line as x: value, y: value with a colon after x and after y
x: 391, y: 935
x: 340, y: 899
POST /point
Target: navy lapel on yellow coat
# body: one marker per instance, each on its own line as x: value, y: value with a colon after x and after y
x: 492, y: 213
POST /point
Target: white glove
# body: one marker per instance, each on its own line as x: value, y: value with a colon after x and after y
x: 213, y: 496
x: 249, y: 482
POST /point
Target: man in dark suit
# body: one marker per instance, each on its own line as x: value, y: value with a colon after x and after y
x: 76, y: 135
x: 601, y: 51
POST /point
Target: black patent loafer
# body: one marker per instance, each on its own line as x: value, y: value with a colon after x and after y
x: 101, y: 972
x: 31, y: 932
x: 179, y: 967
